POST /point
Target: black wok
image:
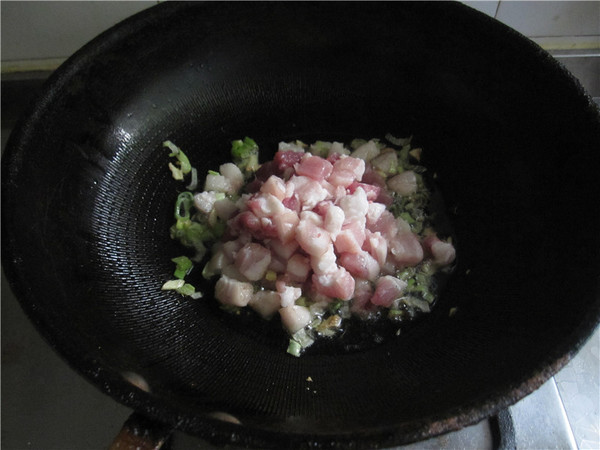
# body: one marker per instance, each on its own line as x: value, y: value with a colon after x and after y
x: 87, y: 203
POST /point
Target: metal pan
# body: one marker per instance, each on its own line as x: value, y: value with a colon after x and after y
x: 511, y: 136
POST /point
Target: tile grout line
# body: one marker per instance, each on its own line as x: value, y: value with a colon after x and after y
x: 565, y: 414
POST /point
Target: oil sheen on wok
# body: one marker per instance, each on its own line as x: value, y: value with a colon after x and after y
x: 321, y: 234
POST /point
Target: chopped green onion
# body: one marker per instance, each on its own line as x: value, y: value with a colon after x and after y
x: 303, y: 338
x: 294, y: 348
x: 182, y: 159
x: 172, y: 285
x: 179, y: 286
x: 186, y: 289
x: 335, y: 306
x: 218, y: 229
x: 270, y: 275
x: 357, y: 143
x: 417, y: 288
x: 243, y: 149
x: 407, y: 217
x: 183, y: 205
x: 183, y: 266
x: 320, y: 148
x: 301, y: 301
x: 245, y: 155
x: 176, y: 172
x: 403, y: 153
x: 213, y: 172
x: 428, y: 296
x: 194, y: 180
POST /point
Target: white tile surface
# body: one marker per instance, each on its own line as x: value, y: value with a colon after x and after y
x: 55, y: 29
x: 578, y: 385
x: 486, y: 7
x: 558, y: 18
x: 34, y: 30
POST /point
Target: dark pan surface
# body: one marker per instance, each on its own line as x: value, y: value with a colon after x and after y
x: 87, y: 203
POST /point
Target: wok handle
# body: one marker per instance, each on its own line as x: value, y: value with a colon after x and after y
x: 140, y: 433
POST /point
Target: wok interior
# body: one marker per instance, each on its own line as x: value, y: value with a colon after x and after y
x: 509, y: 136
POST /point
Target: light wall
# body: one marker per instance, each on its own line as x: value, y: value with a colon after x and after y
x: 40, y: 35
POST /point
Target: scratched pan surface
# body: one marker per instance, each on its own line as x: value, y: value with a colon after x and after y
x: 87, y: 204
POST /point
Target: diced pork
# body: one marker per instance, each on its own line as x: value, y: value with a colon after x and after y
x: 225, y: 208
x: 355, y: 206
x: 266, y: 303
x: 295, y: 317
x: 310, y: 192
x: 405, y: 249
x: 323, y: 226
x: 372, y: 191
x: 386, y: 161
x: 387, y: 289
x: 404, y: 183
x: 265, y: 205
x: 367, y: 151
x: 204, y: 201
x: 351, y: 238
x: 363, y: 291
x: 274, y: 186
x: 298, y: 267
x: 234, y: 175
x: 442, y: 253
x: 217, y: 261
x: 376, y: 245
x: 386, y: 225
x: 334, y: 219
x: 284, y: 250
x: 285, y: 225
x: 361, y: 265
x: 231, y: 247
x: 314, y: 167
x: 218, y: 183
x: 288, y: 294
x: 314, y: 240
x: 338, y: 284
x: 292, y: 203
x: 374, y: 213
x: 266, y: 170
x: 313, y: 217
x: 346, y: 170
x: 277, y: 264
x: 252, y: 260
x: 233, y: 292
x: 285, y: 159
x: 324, y: 263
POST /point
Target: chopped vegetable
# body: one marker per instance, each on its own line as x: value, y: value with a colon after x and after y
x: 180, y: 286
x: 245, y: 155
x: 182, y: 166
x: 320, y: 234
x: 183, y: 266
